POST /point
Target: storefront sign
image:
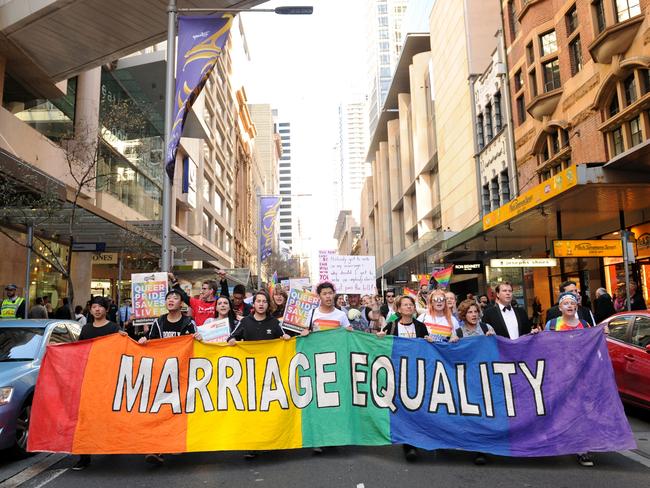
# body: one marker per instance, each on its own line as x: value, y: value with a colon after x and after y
x: 533, y: 197
x: 598, y: 248
x: 524, y: 263
x: 468, y: 267
x: 105, y: 258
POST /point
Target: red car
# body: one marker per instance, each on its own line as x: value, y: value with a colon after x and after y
x: 629, y: 348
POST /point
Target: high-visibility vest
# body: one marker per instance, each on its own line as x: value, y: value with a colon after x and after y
x: 9, y: 308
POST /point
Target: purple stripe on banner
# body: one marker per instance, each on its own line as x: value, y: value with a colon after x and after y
x: 580, y: 410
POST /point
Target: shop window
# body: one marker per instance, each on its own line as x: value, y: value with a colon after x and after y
x: 626, y: 9
x: 571, y: 19
x: 636, y: 135
x: 551, y: 71
x: 641, y: 332
x: 575, y: 54
x: 548, y: 43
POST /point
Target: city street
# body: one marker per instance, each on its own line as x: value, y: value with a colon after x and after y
x: 344, y: 467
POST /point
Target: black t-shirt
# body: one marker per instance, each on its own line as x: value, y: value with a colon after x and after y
x: 89, y: 331
x: 162, y: 328
x: 250, y: 329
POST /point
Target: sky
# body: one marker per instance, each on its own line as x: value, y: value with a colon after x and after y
x: 305, y: 66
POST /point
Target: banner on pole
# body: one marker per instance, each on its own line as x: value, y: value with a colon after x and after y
x: 547, y: 394
x: 352, y: 274
x: 200, y: 42
x: 148, y: 292
x: 268, y: 211
x: 300, y: 304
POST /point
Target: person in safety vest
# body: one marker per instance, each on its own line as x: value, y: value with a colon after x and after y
x: 13, y: 307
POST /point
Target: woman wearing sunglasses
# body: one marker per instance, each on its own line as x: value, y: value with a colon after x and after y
x: 441, y: 323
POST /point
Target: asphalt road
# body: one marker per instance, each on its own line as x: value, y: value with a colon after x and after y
x: 356, y: 467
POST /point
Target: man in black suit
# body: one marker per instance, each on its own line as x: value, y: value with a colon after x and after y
x: 506, y: 320
x: 388, y: 308
x: 583, y: 312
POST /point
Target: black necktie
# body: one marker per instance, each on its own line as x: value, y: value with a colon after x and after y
x: 507, y: 307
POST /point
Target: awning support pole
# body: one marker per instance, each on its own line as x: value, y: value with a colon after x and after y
x: 30, y: 243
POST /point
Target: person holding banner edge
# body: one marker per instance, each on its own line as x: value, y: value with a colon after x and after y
x: 327, y: 316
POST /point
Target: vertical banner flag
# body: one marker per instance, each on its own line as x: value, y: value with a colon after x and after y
x: 443, y: 277
x: 148, y: 291
x: 268, y: 211
x: 300, y: 303
x: 200, y: 42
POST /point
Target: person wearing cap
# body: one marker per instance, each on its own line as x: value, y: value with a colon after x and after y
x: 13, y: 306
x: 100, y: 326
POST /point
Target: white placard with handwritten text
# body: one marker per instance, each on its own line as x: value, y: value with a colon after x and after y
x: 352, y: 274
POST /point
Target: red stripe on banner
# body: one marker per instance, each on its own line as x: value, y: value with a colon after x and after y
x: 58, y: 389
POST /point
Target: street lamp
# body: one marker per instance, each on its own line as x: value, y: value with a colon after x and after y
x: 170, y: 87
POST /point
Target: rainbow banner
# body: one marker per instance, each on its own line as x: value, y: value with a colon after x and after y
x: 542, y: 395
x: 443, y: 277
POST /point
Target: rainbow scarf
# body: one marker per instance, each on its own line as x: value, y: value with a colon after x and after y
x: 331, y: 388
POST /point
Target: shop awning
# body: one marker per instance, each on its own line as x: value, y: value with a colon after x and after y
x: 583, y: 202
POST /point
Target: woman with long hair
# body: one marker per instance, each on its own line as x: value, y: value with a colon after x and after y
x: 224, y: 310
x: 440, y: 322
x: 278, y: 302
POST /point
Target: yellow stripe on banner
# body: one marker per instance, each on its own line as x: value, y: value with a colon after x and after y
x: 239, y: 423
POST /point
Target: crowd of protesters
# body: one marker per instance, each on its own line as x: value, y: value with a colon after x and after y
x: 432, y: 314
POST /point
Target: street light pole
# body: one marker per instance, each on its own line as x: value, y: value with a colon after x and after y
x: 170, y: 88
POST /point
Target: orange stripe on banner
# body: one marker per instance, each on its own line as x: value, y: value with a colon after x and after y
x: 327, y: 324
x: 110, y: 432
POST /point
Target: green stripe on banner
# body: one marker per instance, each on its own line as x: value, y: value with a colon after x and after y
x: 331, y: 418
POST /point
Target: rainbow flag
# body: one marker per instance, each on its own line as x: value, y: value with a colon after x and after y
x: 443, y: 277
x: 273, y: 283
x: 331, y: 388
x: 410, y: 293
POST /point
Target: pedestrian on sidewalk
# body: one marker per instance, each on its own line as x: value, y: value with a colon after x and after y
x: 603, y: 305
x: 38, y: 311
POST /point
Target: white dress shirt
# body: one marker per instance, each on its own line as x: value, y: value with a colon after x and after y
x: 510, y: 319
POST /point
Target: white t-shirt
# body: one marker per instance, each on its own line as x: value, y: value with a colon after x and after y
x: 332, y: 320
x: 439, y: 328
x: 407, y: 331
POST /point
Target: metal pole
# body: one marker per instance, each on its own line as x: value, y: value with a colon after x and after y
x: 170, y: 86
x: 259, y: 248
x: 30, y: 243
x: 119, y: 282
x: 626, y: 257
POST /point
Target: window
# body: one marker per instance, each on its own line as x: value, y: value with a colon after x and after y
x: 571, y: 19
x: 551, y: 70
x: 521, y: 110
x: 207, y: 226
x: 618, y: 327
x: 641, y: 331
x: 629, y: 87
x: 575, y: 53
x: 512, y: 20
x: 519, y: 81
x: 626, y: 9
x: 207, y: 189
x: 599, y: 13
x: 548, y: 43
x: 486, y: 198
x: 504, y: 182
x: 494, y: 193
x: 488, y: 122
x: 498, y: 122
x: 617, y: 141
x: 479, y: 131
x: 644, y: 74
x: 532, y: 79
x: 635, y: 131
x: 530, y: 54
x: 613, y: 107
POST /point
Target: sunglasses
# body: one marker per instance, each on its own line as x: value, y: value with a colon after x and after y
x: 438, y: 299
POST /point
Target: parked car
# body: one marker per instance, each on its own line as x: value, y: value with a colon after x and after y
x: 629, y: 347
x: 22, y: 346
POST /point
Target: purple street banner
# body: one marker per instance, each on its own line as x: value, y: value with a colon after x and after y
x: 200, y: 42
x: 268, y: 211
x: 547, y: 394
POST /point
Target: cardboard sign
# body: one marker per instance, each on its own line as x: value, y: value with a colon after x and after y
x: 322, y: 263
x: 352, y: 274
x: 300, y: 304
x: 215, y: 330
